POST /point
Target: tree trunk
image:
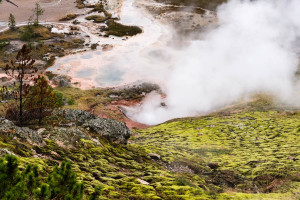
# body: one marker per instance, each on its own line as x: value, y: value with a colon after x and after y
x: 37, y: 17
x: 21, y: 93
x: 41, y: 107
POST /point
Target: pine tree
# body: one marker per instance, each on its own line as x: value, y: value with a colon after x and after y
x: 63, y: 183
x: 28, y: 32
x: 11, y: 185
x: 11, y: 22
x: 41, y: 99
x: 38, y: 11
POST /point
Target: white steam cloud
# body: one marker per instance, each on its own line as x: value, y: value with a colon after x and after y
x: 251, y: 50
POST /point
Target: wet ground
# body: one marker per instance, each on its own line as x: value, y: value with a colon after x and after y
x: 127, y: 59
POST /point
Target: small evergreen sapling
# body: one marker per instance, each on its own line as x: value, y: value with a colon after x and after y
x: 11, y: 22
x: 38, y: 11
x: 63, y: 183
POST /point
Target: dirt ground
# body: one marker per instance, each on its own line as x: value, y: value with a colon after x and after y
x: 54, y: 9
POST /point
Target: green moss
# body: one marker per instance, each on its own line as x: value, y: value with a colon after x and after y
x: 254, y: 151
x: 254, y: 145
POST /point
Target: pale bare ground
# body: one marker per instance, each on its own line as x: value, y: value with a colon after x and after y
x: 54, y: 9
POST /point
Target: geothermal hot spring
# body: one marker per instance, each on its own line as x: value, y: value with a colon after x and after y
x: 253, y: 48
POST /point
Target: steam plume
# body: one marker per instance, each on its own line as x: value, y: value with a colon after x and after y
x: 253, y: 49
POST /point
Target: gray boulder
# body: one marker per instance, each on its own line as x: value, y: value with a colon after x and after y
x: 62, y: 81
x: 77, y: 116
x: 112, y: 130
x: 24, y: 133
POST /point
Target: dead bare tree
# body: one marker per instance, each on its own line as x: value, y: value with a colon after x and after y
x: 22, y: 70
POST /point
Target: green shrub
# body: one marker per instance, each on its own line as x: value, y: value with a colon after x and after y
x: 3, y: 44
x: 71, y: 101
x: 181, y: 181
x: 13, y: 183
x: 61, y: 183
x: 28, y: 34
x: 59, y: 99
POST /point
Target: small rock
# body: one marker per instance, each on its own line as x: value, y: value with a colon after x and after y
x: 163, y: 104
x: 154, y: 156
x: 293, y: 158
x: 5, y: 152
x: 143, y: 182
x: 41, y: 130
x: 213, y: 165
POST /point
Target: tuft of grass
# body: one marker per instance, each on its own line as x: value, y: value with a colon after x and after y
x: 69, y: 17
x: 117, y: 29
x: 96, y: 18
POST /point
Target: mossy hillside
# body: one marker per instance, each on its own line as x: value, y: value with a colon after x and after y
x: 116, y: 168
x: 260, y: 147
x: 186, y: 147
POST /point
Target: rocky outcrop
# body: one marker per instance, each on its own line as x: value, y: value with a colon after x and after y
x: 113, y: 130
x: 22, y: 133
x: 77, y: 125
x: 79, y: 117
